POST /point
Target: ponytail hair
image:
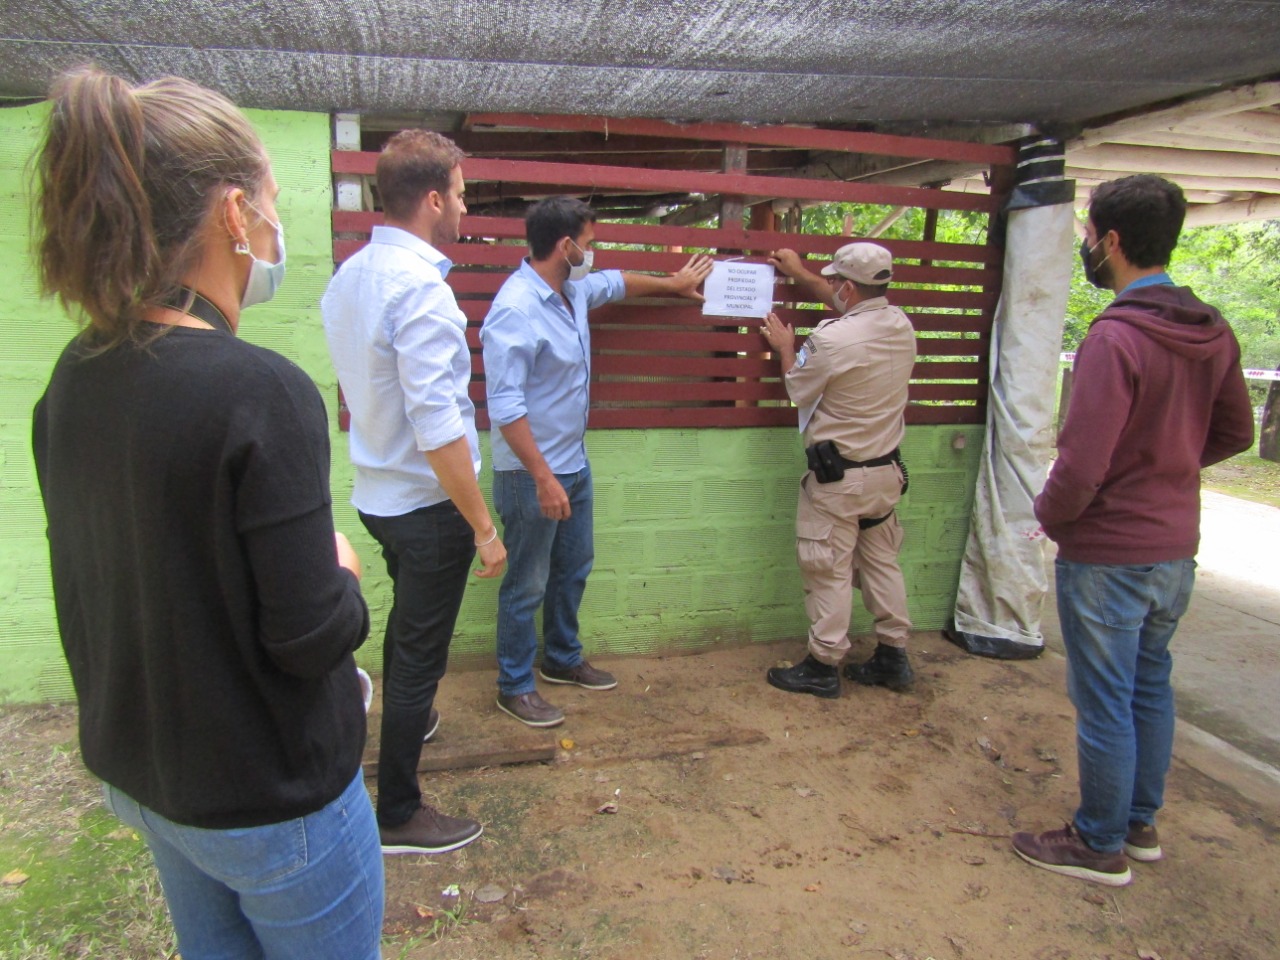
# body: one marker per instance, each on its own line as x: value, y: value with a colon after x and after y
x: 126, y: 180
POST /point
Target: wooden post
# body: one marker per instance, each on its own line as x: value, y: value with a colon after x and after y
x: 731, y: 207
x: 350, y: 192
x: 930, y: 231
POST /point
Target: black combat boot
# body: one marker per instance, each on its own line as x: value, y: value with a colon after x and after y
x: 807, y: 676
x: 888, y: 667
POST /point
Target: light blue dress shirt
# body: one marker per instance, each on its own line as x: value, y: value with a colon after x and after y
x: 537, y: 363
x: 398, y: 342
x: 1151, y: 280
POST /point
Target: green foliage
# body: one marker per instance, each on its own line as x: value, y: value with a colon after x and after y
x: 954, y: 226
x: 1231, y: 267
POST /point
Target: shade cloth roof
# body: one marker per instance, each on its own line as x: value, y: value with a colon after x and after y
x: 911, y: 66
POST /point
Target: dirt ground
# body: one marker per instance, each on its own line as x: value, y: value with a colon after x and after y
x: 754, y: 823
x: 696, y: 812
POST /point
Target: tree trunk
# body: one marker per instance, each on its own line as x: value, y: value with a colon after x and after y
x: 1269, y: 445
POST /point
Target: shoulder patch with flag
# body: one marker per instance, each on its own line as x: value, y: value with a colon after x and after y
x: 805, y: 352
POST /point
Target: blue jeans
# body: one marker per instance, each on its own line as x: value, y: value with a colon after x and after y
x: 547, y: 565
x: 305, y: 889
x: 428, y: 553
x: 1117, y: 621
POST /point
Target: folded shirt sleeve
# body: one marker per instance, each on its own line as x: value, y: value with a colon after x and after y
x: 509, y: 352
x: 604, y: 286
x: 427, y: 340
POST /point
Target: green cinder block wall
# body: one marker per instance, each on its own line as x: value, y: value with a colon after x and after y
x: 693, y: 527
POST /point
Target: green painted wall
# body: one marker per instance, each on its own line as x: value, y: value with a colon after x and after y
x: 693, y: 527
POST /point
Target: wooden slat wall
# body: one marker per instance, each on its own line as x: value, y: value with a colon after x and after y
x: 662, y: 363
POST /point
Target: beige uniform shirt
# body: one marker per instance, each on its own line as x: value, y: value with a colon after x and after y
x: 853, y: 372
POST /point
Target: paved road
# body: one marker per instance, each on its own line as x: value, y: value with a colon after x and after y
x: 1226, y: 672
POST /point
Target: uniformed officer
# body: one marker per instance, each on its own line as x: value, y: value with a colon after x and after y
x: 849, y: 382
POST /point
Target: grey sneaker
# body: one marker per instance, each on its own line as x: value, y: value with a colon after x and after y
x: 583, y: 675
x: 529, y: 708
x: 429, y: 831
x: 1143, y: 843
x: 1063, y: 851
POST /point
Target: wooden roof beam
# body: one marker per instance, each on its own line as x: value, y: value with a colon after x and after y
x: 1220, y: 104
x: 1233, y: 211
x: 1085, y: 185
x: 1260, y: 125
x: 1128, y: 159
x: 1181, y: 140
x: 1220, y: 184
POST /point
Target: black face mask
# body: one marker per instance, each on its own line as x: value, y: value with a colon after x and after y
x: 1092, y: 273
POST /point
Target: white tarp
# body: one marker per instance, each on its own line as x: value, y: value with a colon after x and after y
x: 1002, y: 580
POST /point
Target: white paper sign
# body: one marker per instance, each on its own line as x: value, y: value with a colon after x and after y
x: 737, y: 289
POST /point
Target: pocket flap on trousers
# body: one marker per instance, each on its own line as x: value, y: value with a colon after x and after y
x: 813, y: 530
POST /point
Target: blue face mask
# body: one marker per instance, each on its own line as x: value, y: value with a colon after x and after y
x: 264, y: 278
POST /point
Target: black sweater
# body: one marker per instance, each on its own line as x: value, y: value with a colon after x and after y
x: 207, y: 624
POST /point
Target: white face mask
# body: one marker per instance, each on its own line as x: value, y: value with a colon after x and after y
x: 580, y: 270
x: 264, y: 278
x: 841, y: 303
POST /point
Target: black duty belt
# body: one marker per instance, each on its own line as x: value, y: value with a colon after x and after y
x: 884, y: 461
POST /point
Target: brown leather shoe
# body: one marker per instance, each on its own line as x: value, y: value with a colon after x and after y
x: 1142, y: 842
x: 583, y: 675
x: 1065, y: 852
x: 429, y: 831
x: 531, y: 709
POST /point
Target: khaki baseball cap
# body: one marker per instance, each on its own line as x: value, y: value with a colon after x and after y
x: 863, y: 262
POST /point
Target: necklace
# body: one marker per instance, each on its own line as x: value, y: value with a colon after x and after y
x: 185, y: 300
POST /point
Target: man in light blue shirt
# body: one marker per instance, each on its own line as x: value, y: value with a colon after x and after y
x: 398, y: 343
x: 537, y: 362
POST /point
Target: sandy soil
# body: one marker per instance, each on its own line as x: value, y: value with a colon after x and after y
x: 754, y: 823
x: 746, y: 822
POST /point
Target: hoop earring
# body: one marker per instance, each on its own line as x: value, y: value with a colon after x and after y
x: 242, y: 248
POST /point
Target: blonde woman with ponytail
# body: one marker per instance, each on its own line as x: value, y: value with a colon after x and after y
x: 207, y: 617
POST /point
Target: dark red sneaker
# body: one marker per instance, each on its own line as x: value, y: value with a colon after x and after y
x: 1143, y: 843
x: 1063, y: 851
x: 583, y: 675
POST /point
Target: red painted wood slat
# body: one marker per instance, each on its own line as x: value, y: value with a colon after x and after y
x: 512, y: 228
x: 642, y: 314
x: 779, y: 135
x: 734, y: 184
x: 721, y: 374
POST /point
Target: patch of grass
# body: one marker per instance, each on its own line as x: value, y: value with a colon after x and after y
x: 1246, y: 476
x: 91, y: 891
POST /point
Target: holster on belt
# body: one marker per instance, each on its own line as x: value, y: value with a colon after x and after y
x: 825, y: 461
x: 828, y: 465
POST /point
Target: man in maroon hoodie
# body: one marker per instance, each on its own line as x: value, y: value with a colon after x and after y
x: 1158, y: 395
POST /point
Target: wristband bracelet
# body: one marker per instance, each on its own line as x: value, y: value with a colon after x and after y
x: 490, y: 540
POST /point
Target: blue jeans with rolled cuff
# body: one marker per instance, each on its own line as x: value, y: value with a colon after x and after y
x: 548, y: 562
x: 1117, y: 621
x: 304, y: 889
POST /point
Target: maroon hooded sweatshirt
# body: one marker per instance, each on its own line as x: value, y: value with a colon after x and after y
x: 1158, y: 393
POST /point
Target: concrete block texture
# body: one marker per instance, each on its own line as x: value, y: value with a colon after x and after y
x: 694, y: 528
